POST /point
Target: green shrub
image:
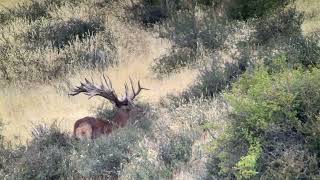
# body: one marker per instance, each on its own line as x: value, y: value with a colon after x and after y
x: 244, y: 9
x: 280, y: 35
x: 213, y: 35
x: 293, y: 163
x: 215, y: 79
x: 304, y: 51
x: 282, y: 24
x: 271, y: 111
x: 177, y: 151
x: 180, y: 28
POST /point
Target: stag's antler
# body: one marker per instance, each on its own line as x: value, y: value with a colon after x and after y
x: 134, y: 93
x: 106, y: 91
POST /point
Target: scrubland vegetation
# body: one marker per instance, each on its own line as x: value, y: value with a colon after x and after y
x: 235, y: 90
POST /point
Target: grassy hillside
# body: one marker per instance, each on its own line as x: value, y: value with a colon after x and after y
x: 234, y: 90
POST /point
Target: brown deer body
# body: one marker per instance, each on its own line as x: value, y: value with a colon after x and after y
x: 90, y: 127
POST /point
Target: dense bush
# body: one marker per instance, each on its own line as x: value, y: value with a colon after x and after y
x: 280, y: 34
x: 66, y: 24
x: 267, y: 115
x: 143, y: 168
x: 212, y: 80
x: 45, y: 157
x: 59, y: 34
x: 32, y: 10
x: 282, y: 24
x: 179, y: 58
x: 213, y: 35
x: 176, y: 152
x: 107, y: 155
x: 244, y: 9
x: 215, y: 79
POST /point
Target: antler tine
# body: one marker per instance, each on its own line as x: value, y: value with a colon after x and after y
x: 126, y: 89
x: 92, y: 80
x: 104, y: 90
x: 103, y: 85
x: 142, y: 87
x: 135, y: 93
x: 132, y: 86
x: 110, y: 83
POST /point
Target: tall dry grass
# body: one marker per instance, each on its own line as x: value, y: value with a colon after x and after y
x: 311, y: 8
x: 9, y: 3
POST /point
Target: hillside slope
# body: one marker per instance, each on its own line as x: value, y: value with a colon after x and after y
x: 22, y: 107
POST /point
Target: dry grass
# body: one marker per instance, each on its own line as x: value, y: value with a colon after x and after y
x: 311, y: 8
x: 9, y: 3
x: 22, y: 107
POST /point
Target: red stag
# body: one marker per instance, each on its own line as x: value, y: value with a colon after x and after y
x: 90, y: 127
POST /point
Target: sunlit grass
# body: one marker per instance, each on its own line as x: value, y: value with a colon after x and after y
x: 311, y: 8
x: 9, y: 3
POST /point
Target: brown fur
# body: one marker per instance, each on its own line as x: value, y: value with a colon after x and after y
x: 91, y: 128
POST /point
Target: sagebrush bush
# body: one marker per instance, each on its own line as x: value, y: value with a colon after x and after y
x: 176, y: 152
x: 213, y: 35
x: 244, y: 9
x: 31, y: 10
x: 58, y: 34
x: 178, y: 58
x: 47, y: 48
x: 105, y: 156
x: 45, y: 157
x: 285, y: 23
x: 142, y: 168
x: 215, y: 79
x: 211, y: 81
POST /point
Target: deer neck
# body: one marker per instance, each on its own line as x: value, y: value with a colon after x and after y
x: 121, y: 118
